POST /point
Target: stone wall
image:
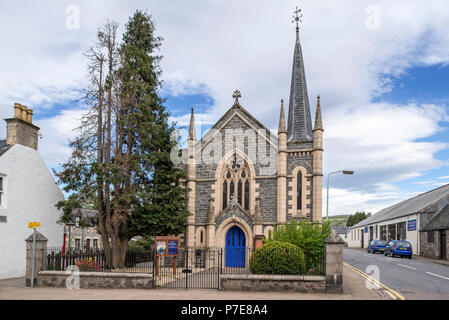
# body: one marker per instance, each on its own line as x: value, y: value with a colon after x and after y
x: 203, y: 194
x: 90, y: 280
x: 268, y: 200
x: 278, y: 283
x: 433, y: 249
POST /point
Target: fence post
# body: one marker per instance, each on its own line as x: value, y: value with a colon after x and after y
x: 39, y: 260
x: 334, y: 262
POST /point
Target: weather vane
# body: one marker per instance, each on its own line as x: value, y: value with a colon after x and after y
x: 297, y: 17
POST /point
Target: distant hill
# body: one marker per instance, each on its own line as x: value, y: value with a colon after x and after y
x: 339, y: 220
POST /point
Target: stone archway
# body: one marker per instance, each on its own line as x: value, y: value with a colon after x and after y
x: 220, y: 238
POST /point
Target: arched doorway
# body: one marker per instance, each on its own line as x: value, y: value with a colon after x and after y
x: 235, y: 248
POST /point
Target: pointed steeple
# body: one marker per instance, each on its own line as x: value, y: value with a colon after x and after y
x: 318, y: 119
x: 192, y: 134
x: 299, y: 118
x: 282, y: 128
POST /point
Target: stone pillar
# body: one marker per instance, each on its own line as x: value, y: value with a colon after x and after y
x: 191, y: 184
x: 282, y: 169
x: 317, y: 154
x: 257, y: 227
x: 334, y: 262
x: 210, y: 228
x: 39, y: 259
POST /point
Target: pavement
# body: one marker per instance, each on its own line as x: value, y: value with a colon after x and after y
x: 353, y: 286
x: 417, y: 278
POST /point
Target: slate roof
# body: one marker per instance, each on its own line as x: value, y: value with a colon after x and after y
x: 3, y: 147
x: 440, y: 221
x: 413, y: 205
x: 299, y: 120
x: 341, y: 230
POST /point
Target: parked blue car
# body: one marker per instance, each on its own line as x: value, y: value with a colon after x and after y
x: 377, y: 246
x: 399, y: 248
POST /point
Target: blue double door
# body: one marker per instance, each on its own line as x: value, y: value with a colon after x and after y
x: 235, y: 248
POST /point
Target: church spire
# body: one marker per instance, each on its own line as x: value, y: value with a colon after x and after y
x: 299, y: 118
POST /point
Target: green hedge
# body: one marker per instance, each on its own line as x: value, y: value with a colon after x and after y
x: 278, y: 257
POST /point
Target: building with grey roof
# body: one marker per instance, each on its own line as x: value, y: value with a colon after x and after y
x: 433, y: 240
x: 402, y: 221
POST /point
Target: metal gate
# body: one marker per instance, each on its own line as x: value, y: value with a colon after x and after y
x: 191, y: 268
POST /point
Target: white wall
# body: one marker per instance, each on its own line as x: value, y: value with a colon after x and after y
x: 31, y: 194
x: 411, y: 236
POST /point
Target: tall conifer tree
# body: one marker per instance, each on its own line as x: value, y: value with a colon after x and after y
x: 120, y: 163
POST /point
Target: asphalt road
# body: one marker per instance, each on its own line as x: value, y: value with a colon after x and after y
x: 412, y: 278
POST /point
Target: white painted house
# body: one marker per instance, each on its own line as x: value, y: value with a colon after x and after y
x: 402, y: 221
x: 28, y: 193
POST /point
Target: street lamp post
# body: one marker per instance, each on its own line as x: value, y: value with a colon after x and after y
x: 327, y: 202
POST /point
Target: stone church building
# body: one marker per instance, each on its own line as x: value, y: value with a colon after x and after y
x: 243, y: 179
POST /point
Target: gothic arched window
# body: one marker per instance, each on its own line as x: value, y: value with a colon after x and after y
x: 236, y: 183
x: 299, y: 191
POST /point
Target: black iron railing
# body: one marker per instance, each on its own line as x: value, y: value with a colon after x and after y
x: 195, y: 260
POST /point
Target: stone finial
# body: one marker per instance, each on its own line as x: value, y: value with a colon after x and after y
x: 211, y: 215
x: 258, y: 217
x: 282, y: 127
x: 334, y: 237
x: 318, y: 119
x: 192, y: 133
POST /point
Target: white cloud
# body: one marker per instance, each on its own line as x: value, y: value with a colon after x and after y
x: 56, y: 132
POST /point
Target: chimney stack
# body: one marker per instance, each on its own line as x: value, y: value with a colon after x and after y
x: 20, y: 129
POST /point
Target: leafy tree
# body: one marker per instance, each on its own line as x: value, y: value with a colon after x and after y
x: 356, y: 218
x: 120, y: 161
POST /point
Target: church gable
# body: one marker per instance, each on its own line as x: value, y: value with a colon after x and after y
x: 237, y: 118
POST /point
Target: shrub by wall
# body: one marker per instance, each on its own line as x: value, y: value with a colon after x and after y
x: 278, y: 257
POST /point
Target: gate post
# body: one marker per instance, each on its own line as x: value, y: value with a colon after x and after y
x: 39, y: 259
x: 334, y: 262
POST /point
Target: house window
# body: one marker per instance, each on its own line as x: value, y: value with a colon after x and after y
x: 299, y: 191
x: 201, y: 237
x: 2, y: 191
x: 430, y: 237
x: 77, y: 244
x: 95, y: 243
x: 87, y: 244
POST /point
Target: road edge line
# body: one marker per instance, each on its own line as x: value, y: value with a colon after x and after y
x: 368, y: 277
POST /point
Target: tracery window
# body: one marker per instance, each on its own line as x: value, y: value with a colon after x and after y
x: 236, y: 183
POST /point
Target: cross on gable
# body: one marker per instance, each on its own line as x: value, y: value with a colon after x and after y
x: 237, y: 95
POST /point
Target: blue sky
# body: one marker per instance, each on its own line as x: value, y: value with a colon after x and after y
x: 381, y: 69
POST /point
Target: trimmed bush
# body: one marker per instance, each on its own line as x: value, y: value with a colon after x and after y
x: 278, y: 257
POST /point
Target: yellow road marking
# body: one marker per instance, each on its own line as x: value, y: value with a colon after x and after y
x: 393, y: 294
